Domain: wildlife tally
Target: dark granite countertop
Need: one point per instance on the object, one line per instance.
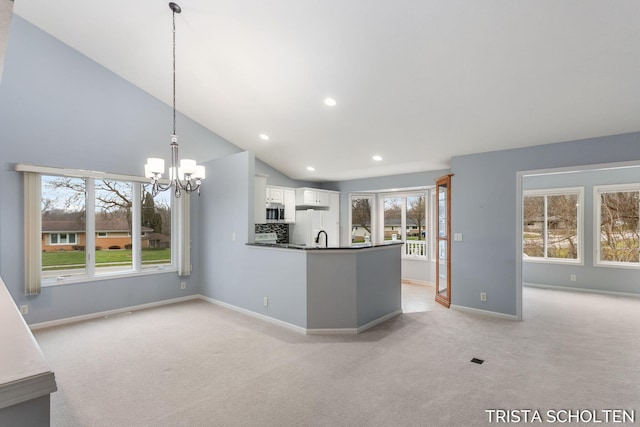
(309, 248)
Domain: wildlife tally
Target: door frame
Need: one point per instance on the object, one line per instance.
(444, 300)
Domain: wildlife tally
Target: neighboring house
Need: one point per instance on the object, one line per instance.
(65, 235)
(553, 223)
(394, 226)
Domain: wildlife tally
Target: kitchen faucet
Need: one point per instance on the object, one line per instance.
(326, 238)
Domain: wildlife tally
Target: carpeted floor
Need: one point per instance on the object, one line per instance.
(197, 364)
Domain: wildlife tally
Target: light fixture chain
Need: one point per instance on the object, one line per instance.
(174, 72)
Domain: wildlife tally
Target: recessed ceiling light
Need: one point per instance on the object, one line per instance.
(311, 168)
(377, 158)
(264, 137)
(330, 102)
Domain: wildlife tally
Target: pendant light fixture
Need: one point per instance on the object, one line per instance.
(184, 175)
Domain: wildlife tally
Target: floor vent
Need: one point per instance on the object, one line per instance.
(478, 361)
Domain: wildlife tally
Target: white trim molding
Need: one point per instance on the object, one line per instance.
(66, 320)
(583, 290)
(484, 312)
(254, 314)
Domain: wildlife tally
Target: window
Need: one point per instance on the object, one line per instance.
(113, 207)
(62, 238)
(393, 217)
(97, 227)
(155, 228)
(552, 225)
(617, 221)
(63, 207)
(360, 219)
(405, 218)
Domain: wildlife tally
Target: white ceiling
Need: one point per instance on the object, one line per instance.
(416, 81)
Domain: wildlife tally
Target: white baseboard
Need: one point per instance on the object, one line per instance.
(379, 320)
(108, 313)
(323, 331)
(254, 314)
(299, 329)
(583, 290)
(332, 331)
(484, 312)
(418, 282)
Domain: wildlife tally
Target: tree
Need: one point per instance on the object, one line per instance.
(113, 198)
(619, 226)
(361, 213)
(416, 213)
(151, 218)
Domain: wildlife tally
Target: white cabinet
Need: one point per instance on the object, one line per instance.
(289, 205)
(332, 219)
(260, 203)
(275, 195)
(285, 196)
(312, 197)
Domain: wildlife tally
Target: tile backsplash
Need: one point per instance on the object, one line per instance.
(282, 230)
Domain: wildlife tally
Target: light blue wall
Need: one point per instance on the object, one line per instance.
(484, 200)
(59, 108)
(587, 276)
(231, 271)
(275, 177)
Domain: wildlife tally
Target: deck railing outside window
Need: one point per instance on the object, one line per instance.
(415, 248)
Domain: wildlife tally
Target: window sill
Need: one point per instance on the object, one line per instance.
(627, 266)
(553, 261)
(51, 282)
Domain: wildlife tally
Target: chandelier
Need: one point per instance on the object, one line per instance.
(188, 175)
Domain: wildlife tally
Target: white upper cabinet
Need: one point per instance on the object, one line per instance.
(289, 206)
(275, 195)
(312, 197)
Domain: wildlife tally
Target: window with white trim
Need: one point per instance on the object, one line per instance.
(360, 219)
(405, 218)
(97, 227)
(552, 225)
(617, 235)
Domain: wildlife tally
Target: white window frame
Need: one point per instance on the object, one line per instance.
(597, 213)
(372, 201)
(404, 195)
(90, 271)
(579, 191)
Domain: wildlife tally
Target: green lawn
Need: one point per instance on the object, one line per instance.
(76, 259)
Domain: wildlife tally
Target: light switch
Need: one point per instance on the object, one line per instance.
(457, 237)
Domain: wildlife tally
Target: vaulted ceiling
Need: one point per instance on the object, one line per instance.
(415, 82)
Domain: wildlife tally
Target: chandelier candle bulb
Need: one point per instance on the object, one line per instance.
(200, 172)
(156, 165)
(188, 166)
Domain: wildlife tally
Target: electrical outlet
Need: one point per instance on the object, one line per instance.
(483, 296)
(266, 301)
(183, 285)
(24, 309)
(233, 236)
(573, 277)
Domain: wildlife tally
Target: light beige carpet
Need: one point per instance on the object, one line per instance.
(196, 364)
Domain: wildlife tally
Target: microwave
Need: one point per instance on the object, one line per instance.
(275, 212)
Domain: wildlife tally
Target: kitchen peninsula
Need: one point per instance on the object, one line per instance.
(346, 290)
